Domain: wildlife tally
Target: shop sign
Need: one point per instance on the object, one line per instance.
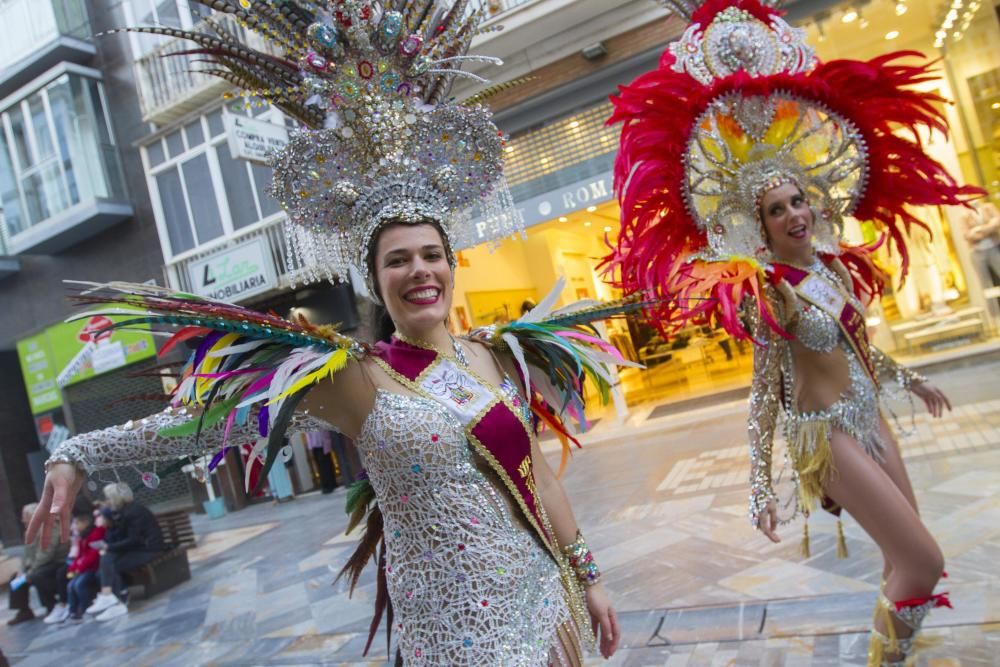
(71, 352)
(39, 373)
(84, 348)
(234, 274)
(565, 200)
(254, 139)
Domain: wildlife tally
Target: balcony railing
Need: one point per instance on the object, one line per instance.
(170, 86)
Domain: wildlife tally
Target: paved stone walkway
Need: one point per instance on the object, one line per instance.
(662, 500)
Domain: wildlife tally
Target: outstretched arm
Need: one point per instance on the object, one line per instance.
(889, 370)
(132, 443)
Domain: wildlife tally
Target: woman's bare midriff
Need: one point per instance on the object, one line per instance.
(821, 378)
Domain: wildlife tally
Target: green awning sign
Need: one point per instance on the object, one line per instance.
(72, 352)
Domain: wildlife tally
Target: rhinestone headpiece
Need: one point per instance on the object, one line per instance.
(744, 145)
(368, 80)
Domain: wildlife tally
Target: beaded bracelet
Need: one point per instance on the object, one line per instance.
(582, 561)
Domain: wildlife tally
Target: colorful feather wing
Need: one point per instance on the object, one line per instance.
(243, 361)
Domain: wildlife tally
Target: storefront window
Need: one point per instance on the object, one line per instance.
(57, 152)
(945, 300)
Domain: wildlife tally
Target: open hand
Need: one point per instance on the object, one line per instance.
(62, 484)
(604, 620)
(933, 398)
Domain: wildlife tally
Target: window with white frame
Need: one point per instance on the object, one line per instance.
(56, 150)
(180, 14)
(200, 192)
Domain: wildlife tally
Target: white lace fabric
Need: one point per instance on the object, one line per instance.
(139, 441)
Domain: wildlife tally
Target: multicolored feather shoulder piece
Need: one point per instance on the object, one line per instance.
(557, 350)
(244, 363)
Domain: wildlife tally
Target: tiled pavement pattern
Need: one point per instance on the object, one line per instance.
(662, 501)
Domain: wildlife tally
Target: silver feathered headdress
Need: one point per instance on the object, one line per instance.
(369, 81)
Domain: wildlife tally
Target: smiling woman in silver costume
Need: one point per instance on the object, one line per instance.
(740, 157)
(478, 552)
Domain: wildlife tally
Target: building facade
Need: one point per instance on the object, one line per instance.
(73, 205)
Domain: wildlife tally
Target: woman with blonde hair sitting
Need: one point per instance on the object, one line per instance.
(133, 539)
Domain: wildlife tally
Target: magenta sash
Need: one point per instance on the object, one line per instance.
(497, 433)
(850, 319)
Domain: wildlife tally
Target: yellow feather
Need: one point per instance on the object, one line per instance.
(337, 361)
(209, 364)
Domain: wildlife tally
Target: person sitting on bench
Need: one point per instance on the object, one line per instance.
(133, 539)
(38, 569)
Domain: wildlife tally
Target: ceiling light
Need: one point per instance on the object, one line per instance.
(574, 124)
(849, 16)
(995, 105)
(591, 209)
(607, 229)
(900, 8)
(863, 23)
(563, 218)
(508, 149)
(941, 34)
(892, 34)
(586, 223)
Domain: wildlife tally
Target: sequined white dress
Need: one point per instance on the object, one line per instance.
(469, 585)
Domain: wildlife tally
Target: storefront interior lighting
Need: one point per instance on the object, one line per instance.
(591, 209)
(892, 34)
(849, 16)
(563, 218)
(956, 21)
(900, 8)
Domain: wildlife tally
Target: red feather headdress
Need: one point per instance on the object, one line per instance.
(738, 104)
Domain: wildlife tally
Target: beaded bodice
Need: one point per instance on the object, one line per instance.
(856, 411)
(469, 585)
(817, 329)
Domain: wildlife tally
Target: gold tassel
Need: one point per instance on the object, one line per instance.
(804, 547)
(841, 542)
(813, 460)
(881, 644)
(876, 650)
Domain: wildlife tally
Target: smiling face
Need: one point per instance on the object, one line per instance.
(788, 222)
(413, 277)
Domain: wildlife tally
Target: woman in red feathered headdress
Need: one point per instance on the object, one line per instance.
(740, 157)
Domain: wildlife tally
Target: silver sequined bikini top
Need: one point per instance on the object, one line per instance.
(815, 328)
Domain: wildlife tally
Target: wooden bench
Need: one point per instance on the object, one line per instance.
(171, 568)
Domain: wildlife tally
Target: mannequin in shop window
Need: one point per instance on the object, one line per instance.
(733, 203)
(982, 231)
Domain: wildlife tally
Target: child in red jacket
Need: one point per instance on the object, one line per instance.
(83, 583)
